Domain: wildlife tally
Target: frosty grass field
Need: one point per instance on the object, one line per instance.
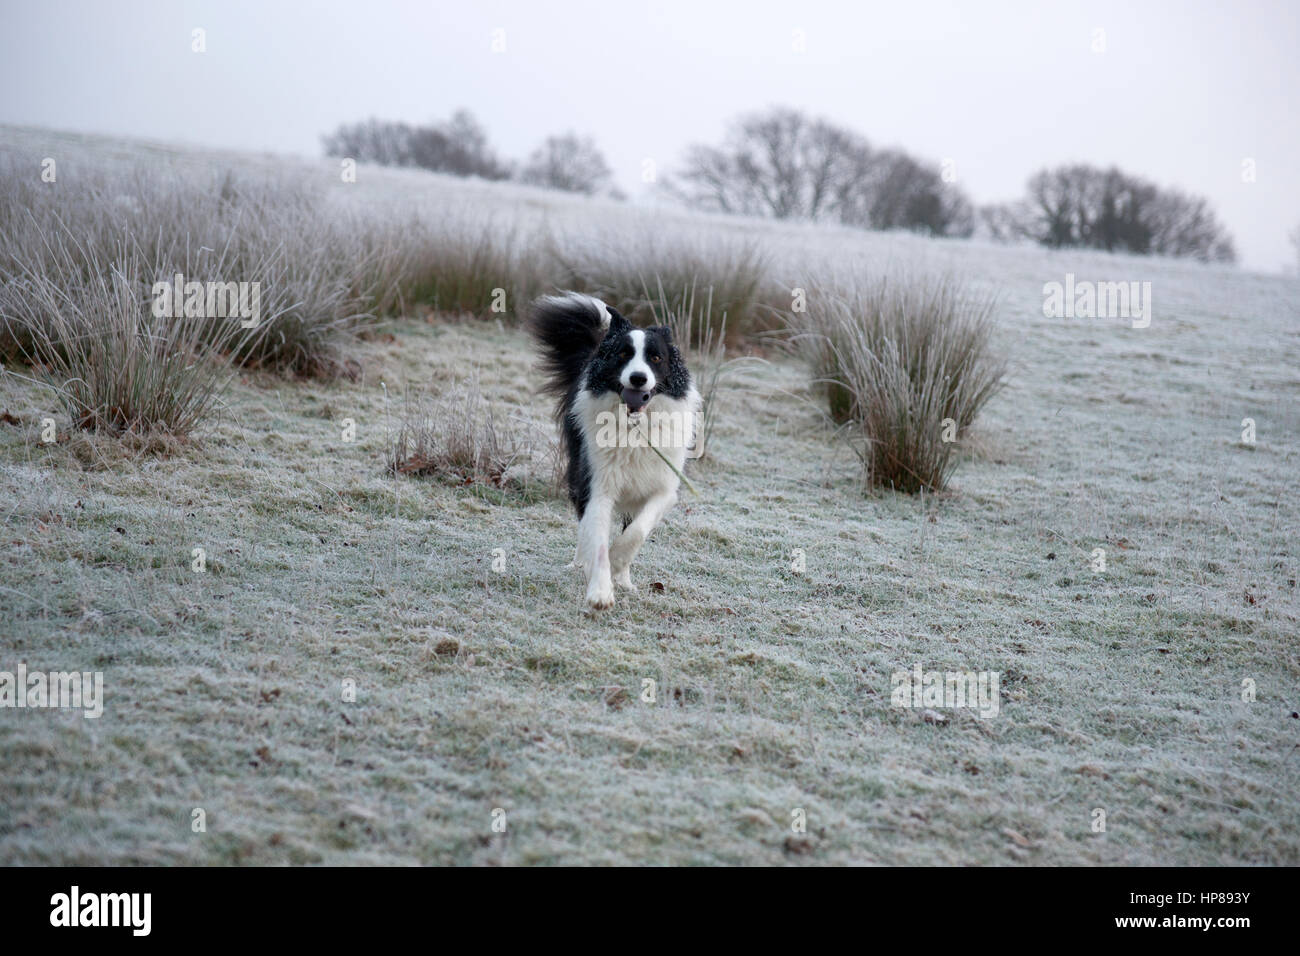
(481, 688)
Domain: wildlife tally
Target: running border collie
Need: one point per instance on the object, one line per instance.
(596, 361)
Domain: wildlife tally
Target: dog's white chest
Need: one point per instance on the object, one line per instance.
(624, 467)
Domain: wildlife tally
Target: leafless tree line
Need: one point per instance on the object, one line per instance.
(785, 164)
(460, 147)
(1108, 209)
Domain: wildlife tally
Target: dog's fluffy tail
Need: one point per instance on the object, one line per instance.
(569, 328)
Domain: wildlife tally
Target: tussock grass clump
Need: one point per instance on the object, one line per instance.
(460, 267)
(647, 275)
(84, 321)
(906, 363)
(459, 437)
(320, 275)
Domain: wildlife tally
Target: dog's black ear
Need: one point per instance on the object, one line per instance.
(618, 324)
(666, 331)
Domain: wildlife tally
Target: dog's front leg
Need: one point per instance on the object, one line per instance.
(627, 544)
(593, 548)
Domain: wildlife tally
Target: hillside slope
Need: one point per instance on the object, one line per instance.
(479, 689)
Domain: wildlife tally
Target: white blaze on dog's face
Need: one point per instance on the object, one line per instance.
(637, 375)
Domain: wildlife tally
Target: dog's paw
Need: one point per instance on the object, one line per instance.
(600, 597)
(624, 579)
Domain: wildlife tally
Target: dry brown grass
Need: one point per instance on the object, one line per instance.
(90, 334)
(459, 437)
(644, 275)
(320, 273)
(905, 362)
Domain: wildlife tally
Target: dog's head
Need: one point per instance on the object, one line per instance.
(638, 364)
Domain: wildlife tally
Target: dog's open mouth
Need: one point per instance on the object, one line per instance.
(636, 399)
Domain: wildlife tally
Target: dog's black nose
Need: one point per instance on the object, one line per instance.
(636, 379)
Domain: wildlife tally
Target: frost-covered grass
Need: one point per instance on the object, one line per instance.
(98, 238)
(481, 685)
(906, 362)
(329, 256)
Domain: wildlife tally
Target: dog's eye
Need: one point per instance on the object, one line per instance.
(655, 359)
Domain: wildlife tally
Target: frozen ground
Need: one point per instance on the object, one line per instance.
(479, 689)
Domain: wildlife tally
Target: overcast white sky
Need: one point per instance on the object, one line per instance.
(1184, 92)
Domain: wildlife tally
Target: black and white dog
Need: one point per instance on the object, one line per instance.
(620, 390)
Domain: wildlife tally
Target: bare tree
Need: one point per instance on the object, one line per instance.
(786, 165)
(895, 191)
(373, 141)
(780, 164)
(1107, 209)
(458, 146)
(1054, 203)
(467, 149)
(569, 163)
(1184, 225)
